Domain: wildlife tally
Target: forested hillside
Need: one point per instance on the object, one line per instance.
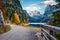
(13, 12)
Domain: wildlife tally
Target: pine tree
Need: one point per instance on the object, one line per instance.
(56, 16)
(13, 6)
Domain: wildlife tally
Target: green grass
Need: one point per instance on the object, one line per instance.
(57, 36)
(5, 29)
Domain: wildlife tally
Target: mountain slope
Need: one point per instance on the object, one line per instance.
(48, 13)
(49, 9)
(12, 7)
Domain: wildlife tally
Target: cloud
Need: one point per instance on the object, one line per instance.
(32, 9)
(47, 2)
(50, 0)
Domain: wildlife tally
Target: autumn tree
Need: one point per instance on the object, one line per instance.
(11, 7)
(17, 19)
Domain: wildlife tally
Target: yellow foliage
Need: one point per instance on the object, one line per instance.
(25, 21)
(34, 28)
(17, 19)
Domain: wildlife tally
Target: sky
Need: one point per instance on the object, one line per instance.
(40, 5)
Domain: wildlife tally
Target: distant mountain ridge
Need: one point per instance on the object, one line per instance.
(49, 9)
(36, 18)
(48, 13)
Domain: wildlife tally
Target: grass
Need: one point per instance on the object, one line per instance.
(32, 27)
(57, 36)
(5, 29)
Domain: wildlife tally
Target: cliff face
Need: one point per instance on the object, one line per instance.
(49, 9)
(1, 16)
(1, 19)
(12, 7)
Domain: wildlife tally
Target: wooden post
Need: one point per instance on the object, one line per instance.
(51, 32)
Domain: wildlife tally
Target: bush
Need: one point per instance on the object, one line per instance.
(5, 29)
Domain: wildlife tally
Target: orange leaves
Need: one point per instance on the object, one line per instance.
(17, 19)
(25, 21)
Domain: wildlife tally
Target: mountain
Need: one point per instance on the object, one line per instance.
(26, 13)
(48, 12)
(13, 7)
(36, 18)
(56, 16)
(49, 9)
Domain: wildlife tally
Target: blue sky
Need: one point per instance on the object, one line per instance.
(32, 5)
(29, 2)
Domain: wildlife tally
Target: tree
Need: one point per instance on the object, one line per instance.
(17, 19)
(56, 16)
(13, 6)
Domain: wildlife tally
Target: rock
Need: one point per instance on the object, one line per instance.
(1, 20)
